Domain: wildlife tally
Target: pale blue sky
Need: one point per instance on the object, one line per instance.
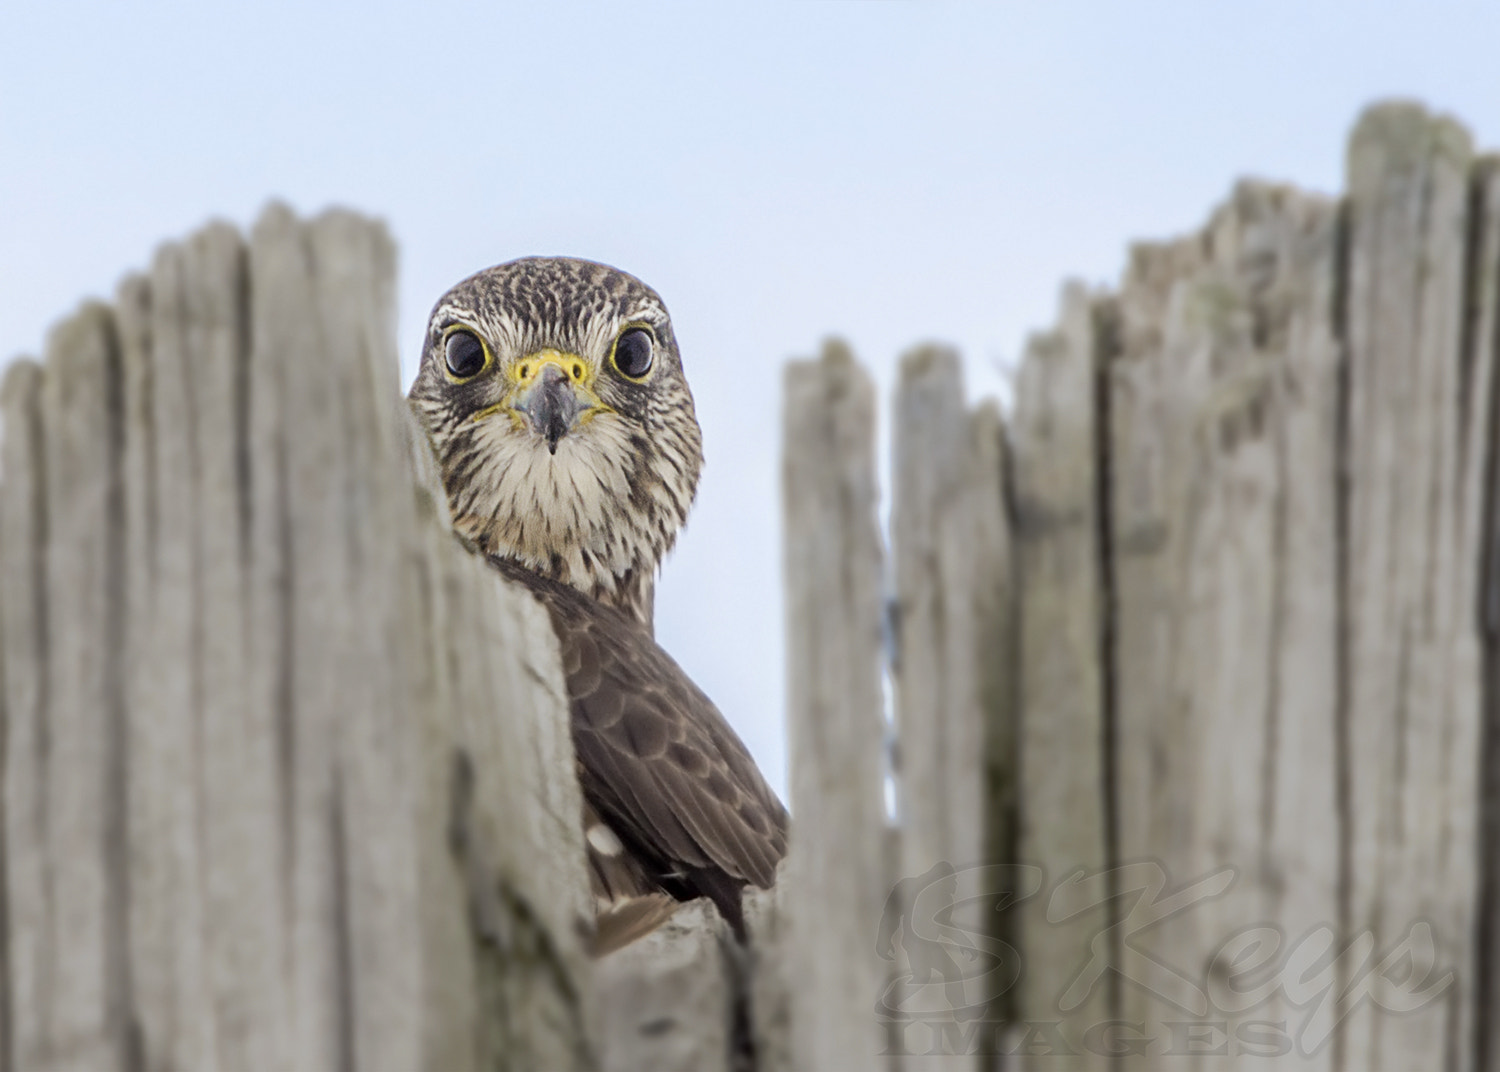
(890, 172)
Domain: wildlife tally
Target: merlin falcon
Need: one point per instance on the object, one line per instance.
(555, 397)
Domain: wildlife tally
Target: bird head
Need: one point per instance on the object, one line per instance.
(556, 401)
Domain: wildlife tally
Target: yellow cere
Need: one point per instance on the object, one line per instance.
(523, 372)
(528, 368)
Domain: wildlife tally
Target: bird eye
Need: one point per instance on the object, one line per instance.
(633, 353)
(464, 354)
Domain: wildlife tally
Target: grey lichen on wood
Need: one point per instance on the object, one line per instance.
(289, 779)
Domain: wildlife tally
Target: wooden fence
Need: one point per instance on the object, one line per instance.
(1193, 662)
(282, 761)
(1190, 653)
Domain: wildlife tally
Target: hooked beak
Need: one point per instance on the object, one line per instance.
(551, 393)
(550, 405)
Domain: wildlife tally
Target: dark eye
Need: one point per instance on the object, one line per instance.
(464, 354)
(633, 353)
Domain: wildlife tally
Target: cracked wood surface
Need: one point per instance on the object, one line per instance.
(1297, 434)
(279, 777)
(837, 866)
(1212, 609)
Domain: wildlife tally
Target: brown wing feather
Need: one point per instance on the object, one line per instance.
(659, 762)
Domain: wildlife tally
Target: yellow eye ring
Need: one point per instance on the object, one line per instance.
(465, 353)
(638, 356)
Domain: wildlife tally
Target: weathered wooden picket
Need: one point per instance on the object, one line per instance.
(287, 775)
(1195, 657)
(1192, 656)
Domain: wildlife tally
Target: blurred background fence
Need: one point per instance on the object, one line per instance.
(1187, 656)
(1190, 652)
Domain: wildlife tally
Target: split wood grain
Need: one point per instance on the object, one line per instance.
(1416, 453)
(1061, 736)
(288, 782)
(837, 871)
